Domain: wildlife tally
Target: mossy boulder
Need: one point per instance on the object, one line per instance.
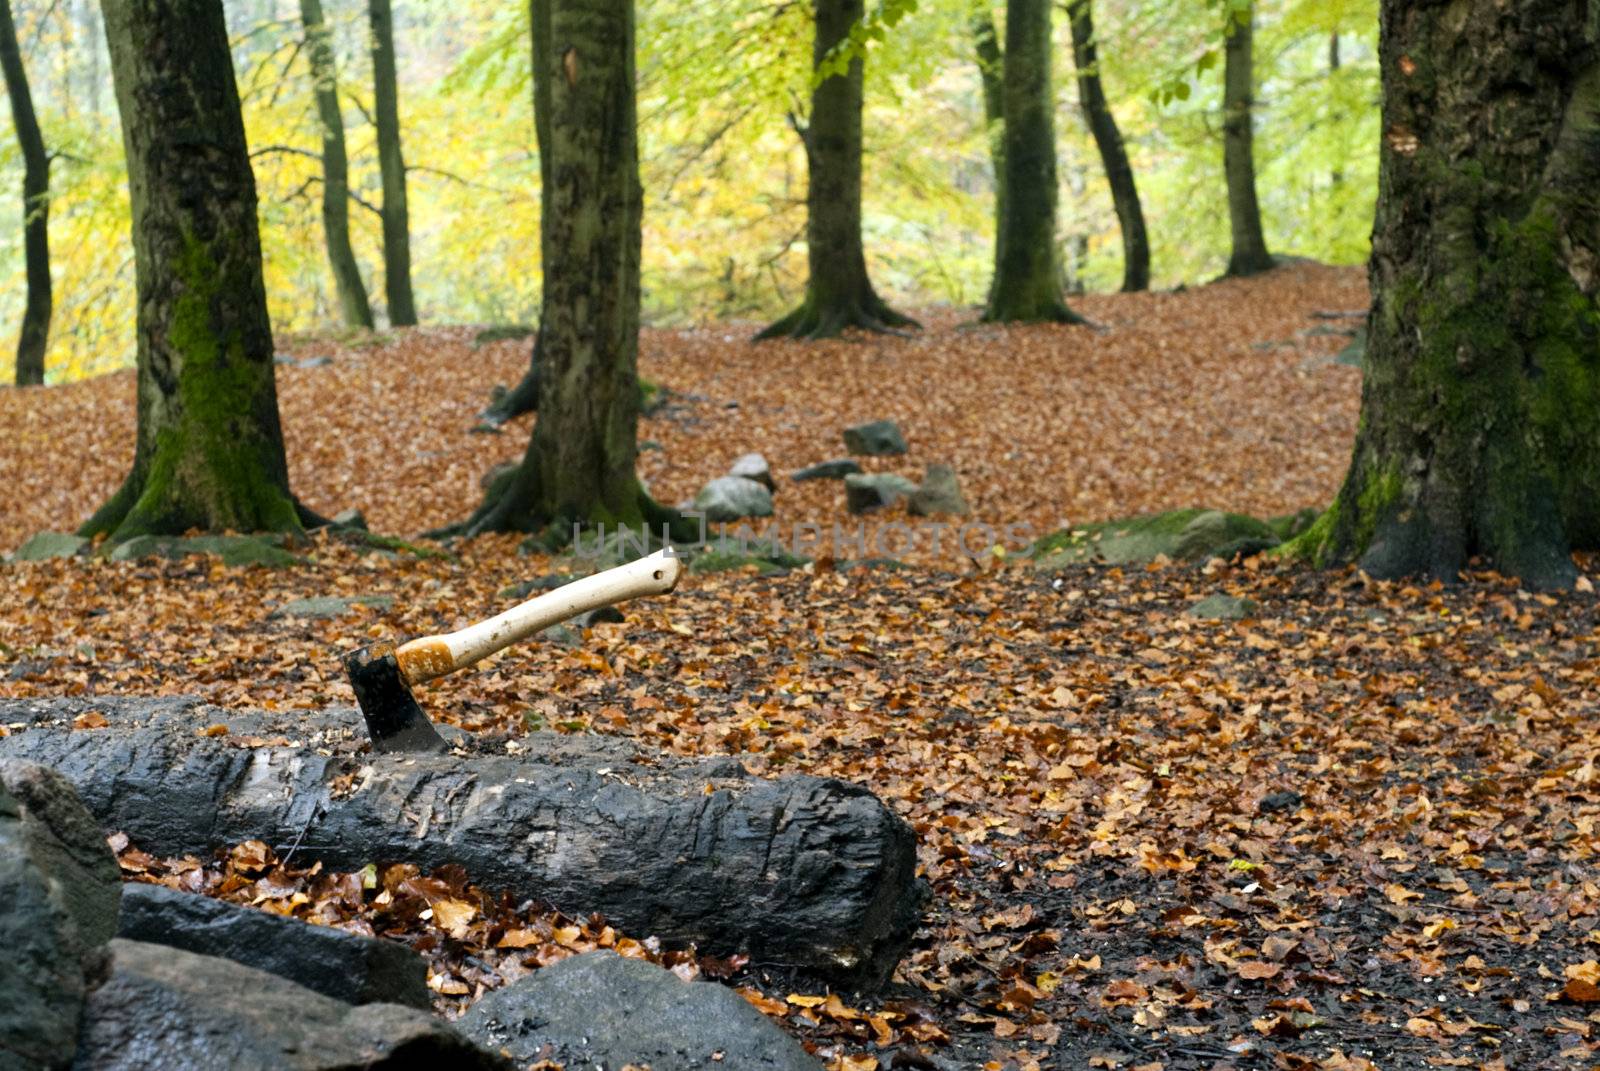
(232, 549)
(46, 545)
(1181, 535)
(727, 554)
(1292, 524)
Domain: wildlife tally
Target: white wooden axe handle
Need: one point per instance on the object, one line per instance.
(428, 657)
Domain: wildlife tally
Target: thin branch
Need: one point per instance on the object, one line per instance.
(453, 177)
(267, 150)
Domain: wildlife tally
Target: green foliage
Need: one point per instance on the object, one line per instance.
(872, 29)
(723, 172)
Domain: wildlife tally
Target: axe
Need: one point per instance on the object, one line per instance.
(382, 674)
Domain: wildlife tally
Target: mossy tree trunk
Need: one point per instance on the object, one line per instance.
(1249, 256)
(1113, 152)
(1482, 391)
(35, 332)
(579, 465)
(353, 305)
(839, 293)
(1027, 273)
(209, 450)
(991, 73)
(524, 397)
(392, 165)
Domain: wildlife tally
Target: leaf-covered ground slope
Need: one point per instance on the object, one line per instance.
(1220, 395)
(1355, 829)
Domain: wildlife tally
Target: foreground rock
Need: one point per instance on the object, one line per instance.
(336, 963)
(1181, 535)
(807, 871)
(864, 493)
(732, 498)
(938, 495)
(58, 907)
(601, 1010)
(176, 1010)
(826, 470)
(877, 439)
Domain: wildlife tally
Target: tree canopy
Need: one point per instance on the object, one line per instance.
(723, 174)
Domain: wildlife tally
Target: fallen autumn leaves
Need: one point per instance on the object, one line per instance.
(1360, 826)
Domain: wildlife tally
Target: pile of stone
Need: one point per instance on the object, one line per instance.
(746, 491)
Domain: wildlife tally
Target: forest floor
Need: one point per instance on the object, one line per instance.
(1356, 829)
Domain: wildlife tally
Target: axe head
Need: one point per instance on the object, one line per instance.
(394, 720)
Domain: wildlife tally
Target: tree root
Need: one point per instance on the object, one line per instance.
(523, 398)
(811, 323)
(1057, 313)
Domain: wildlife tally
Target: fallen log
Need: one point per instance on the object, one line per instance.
(800, 871)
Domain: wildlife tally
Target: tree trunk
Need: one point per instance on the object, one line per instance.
(1482, 386)
(1335, 62)
(1027, 274)
(1250, 256)
(838, 292)
(579, 465)
(35, 332)
(209, 450)
(991, 71)
(806, 871)
(1113, 153)
(335, 170)
(524, 397)
(392, 164)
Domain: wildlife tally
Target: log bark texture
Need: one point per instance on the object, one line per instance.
(802, 871)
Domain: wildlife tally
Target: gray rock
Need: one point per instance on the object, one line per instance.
(323, 606)
(602, 1010)
(336, 963)
(45, 545)
(1223, 608)
(176, 1010)
(753, 467)
(939, 494)
(731, 498)
(827, 470)
(877, 439)
(562, 636)
(865, 493)
(59, 888)
(349, 519)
